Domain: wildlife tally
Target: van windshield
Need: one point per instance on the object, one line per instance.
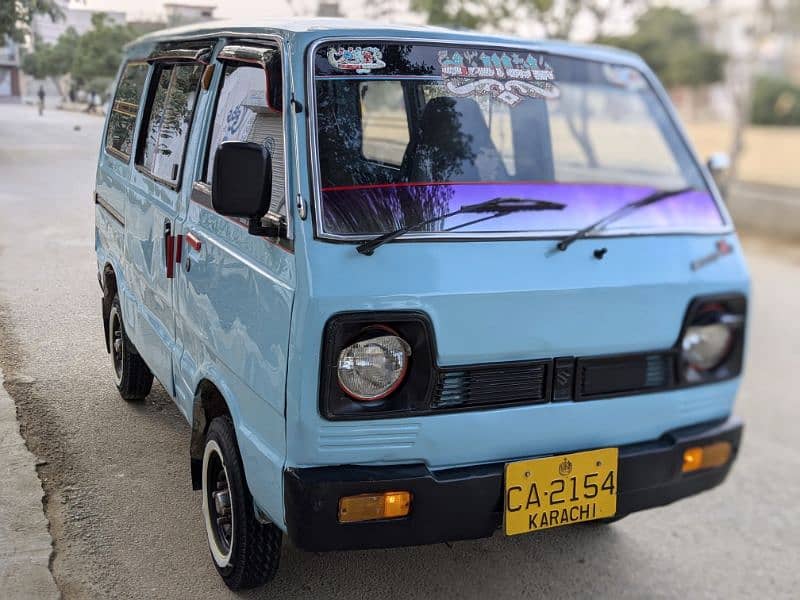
(407, 132)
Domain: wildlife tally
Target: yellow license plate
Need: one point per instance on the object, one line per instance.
(560, 490)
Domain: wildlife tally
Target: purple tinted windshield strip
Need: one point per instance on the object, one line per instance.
(376, 209)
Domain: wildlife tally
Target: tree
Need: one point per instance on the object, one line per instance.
(91, 59)
(740, 83)
(557, 18)
(457, 13)
(98, 52)
(17, 15)
(669, 40)
(775, 101)
(50, 61)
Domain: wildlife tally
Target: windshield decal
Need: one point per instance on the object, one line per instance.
(508, 77)
(358, 59)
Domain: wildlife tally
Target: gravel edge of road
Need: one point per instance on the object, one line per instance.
(25, 543)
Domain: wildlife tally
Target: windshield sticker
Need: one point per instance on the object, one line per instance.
(625, 77)
(508, 77)
(358, 59)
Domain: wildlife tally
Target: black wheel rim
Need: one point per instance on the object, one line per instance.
(116, 344)
(219, 504)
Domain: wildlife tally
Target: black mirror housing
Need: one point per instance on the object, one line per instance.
(242, 180)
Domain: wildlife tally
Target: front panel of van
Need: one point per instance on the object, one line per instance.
(506, 301)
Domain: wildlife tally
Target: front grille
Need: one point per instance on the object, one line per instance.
(616, 375)
(493, 386)
(537, 382)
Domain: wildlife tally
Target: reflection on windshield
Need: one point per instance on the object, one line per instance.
(404, 141)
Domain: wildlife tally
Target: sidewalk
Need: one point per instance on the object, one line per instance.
(25, 544)
(79, 107)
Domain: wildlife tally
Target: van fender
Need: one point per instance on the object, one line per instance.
(212, 399)
(112, 282)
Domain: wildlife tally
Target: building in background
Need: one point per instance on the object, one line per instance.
(46, 31)
(75, 15)
(329, 9)
(10, 77)
(185, 14)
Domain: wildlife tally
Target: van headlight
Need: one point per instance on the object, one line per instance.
(705, 346)
(374, 367)
(712, 343)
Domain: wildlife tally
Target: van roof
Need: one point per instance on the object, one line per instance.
(310, 29)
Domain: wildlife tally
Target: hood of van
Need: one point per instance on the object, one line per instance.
(519, 300)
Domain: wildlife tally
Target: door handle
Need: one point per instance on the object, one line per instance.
(169, 249)
(194, 241)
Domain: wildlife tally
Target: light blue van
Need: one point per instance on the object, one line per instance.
(410, 285)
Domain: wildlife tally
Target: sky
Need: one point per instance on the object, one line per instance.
(152, 9)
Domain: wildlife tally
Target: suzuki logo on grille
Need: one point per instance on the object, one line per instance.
(563, 376)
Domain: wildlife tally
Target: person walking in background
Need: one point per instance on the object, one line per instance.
(41, 95)
(92, 102)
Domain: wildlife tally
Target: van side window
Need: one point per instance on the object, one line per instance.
(121, 122)
(242, 116)
(167, 123)
(384, 122)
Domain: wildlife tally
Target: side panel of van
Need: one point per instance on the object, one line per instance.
(114, 168)
(150, 210)
(153, 204)
(234, 291)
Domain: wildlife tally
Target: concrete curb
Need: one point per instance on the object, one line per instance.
(25, 544)
(766, 209)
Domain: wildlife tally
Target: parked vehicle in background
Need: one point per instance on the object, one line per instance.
(410, 285)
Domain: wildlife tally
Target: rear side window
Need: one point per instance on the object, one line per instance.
(166, 126)
(121, 123)
(384, 122)
(242, 115)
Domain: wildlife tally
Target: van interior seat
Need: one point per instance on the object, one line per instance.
(453, 143)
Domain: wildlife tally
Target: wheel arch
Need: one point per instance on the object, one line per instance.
(209, 403)
(110, 287)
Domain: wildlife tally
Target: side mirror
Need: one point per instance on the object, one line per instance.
(242, 185)
(718, 163)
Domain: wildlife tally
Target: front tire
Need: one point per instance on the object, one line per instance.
(246, 552)
(133, 377)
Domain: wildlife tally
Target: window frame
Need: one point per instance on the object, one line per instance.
(248, 57)
(110, 150)
(158, 66)
(660, 94)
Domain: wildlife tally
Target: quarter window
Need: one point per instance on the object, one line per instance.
(170, 116)
(242, 115)
(121, 122)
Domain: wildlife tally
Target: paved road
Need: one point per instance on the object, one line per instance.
(126, 523)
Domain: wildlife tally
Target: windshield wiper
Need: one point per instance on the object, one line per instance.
(498, 206)
(656, 196)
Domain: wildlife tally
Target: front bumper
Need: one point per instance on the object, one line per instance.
(467, 503)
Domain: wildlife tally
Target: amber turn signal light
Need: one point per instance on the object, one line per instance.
(706, 457)
(369, 507)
